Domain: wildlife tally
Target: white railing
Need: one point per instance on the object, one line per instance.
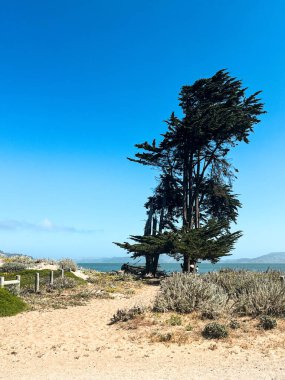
(17, 282)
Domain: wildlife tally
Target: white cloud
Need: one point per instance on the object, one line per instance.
(45, 225)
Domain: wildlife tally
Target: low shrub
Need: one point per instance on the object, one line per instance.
(234, 324)
(164, 337)
(262, 297)
(267, 323)
(123, 315)
(185, 293)
(189, 327)
(67, 264)
(210, 314)
(10, 304)
(215, 331)
(175, 320)
(13, 266)
(63, 283)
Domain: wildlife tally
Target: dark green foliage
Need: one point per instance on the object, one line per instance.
(195, 182)
(267, 323)
(215, 330)
(10, 304)
(209, 242)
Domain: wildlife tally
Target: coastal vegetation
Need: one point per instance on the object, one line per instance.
(10, 304)
(213, 305)
(189, 216)
(69, 290)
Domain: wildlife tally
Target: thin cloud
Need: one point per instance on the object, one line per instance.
(45, 225)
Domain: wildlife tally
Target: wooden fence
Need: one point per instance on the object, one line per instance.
(11, 282)
(17, 282)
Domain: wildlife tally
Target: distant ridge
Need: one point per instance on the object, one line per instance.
(123, 259)
(269, 258)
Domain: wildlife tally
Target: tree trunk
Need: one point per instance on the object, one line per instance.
(155, 264)
(148, 263)
(186, 264)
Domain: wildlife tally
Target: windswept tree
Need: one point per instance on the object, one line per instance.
(194, 154)
(150, 246)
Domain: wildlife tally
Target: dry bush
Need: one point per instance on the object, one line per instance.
(123, 315)
(179, 337)
(261, 297)
(231, 281)
(185, 293)
(267, 323)
(63, 283)
(13, 267)
(67, 264)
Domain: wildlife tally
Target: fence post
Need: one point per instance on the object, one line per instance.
(62, 273)
(51, 278)
(2, 282)
(282, 279)
(37, 283)
(18, 277)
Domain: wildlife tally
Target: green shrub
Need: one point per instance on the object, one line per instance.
(123, 315)
(215, 331)
(175, 320)
(13, 266)
(67, 264)
(189, 327)
(185, 293)
(267, 323)
(10, 304)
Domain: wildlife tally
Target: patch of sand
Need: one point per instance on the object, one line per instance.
(78, 343)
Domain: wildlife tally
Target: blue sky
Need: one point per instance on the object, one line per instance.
(82, 81)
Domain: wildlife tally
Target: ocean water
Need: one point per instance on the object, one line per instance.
(203, 267)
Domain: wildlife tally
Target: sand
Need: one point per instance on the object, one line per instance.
(78, 343)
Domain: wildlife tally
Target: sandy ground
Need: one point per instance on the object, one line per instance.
(78, 343)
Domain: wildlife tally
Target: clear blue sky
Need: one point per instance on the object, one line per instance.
(83, 81)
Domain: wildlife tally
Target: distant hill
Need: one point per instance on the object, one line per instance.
(123, 259)
(270, 258)
(6, 254)
(273, 257)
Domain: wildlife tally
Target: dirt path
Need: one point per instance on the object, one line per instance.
(77, 343)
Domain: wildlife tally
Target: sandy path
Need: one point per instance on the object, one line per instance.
(77, 343)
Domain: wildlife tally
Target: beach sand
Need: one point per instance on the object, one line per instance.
(78, 343)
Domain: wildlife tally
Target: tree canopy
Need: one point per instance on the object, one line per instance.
(194, 196)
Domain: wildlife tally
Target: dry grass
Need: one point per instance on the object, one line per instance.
(99, 285)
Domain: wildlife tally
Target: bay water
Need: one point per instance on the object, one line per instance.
(203, 267)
